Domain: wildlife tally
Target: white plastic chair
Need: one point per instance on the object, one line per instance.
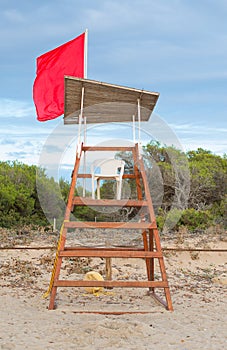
(107, 169)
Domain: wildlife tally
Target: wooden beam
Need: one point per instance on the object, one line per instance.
(104, 247)
(82, 201)
(104, 253)
(88, 176)
(107, 148)
(111, 225)
(135, 284)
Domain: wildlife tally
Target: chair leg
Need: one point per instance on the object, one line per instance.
(98, 188)
(118, 190)
(93, 188)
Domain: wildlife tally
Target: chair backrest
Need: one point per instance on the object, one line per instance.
(109, 166)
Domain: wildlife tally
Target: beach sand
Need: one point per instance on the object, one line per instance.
(198, 284)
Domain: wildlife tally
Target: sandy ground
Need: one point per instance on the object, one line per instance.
(198, 288)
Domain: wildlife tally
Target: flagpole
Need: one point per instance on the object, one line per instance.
(85, 53)
(85, 76)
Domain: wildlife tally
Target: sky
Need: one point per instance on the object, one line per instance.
(177, 48)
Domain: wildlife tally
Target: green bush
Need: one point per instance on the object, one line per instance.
(191, 218)
(196, 219)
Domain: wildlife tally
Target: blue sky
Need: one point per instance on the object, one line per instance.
(178, 48)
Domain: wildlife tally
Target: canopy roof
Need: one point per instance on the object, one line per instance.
(105, 103)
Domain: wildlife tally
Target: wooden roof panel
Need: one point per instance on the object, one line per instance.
(104, 103)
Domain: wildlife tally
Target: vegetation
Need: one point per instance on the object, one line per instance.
(18, 199)
(188, 189)
(195, 186)
(20, 203)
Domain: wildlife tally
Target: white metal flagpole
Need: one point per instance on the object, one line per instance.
(80, 123)
(139, 120)
(84, 118)
(134, 128)
(85, 136)
(85, 53)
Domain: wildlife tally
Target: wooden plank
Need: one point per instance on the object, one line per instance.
(108, 148)
(104, 247)
(105, 253)
(120, 284)
(108, 202)
(88, 176)
(111, 225)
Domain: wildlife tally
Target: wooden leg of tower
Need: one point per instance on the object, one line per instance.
(54, 288)
(151, 248)
(108, 269)
(62, 239)
(137, 174)
(52, 298)
(145, 244)
(163, 271)
(149, 262)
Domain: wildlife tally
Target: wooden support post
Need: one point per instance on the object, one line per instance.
(151, 249)
(61, 245)
(137, 174)
(108, 269)
(145, 244)
(108, 265)
(163, 271)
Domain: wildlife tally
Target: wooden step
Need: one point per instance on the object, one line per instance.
(120, 284)
(88, 176)
(98, 247)
(108, 148)
(82, 201)
(110, 225)
(109, 253)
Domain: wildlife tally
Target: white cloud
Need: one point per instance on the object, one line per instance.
(22, 149)
(193, 136)
(13, 108)
(198, 129)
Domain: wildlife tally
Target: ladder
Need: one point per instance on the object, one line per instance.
(150, 251)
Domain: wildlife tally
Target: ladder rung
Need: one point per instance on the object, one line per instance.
(108, 148)
(120, 284)
(88, 176)
(105, 253)
(109, 202)
(104, 247)
(111, 225)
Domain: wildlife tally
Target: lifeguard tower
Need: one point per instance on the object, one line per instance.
(89, 101)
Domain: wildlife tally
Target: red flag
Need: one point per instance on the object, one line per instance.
(48, 89)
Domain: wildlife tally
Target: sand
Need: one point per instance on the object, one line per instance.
(198, 284)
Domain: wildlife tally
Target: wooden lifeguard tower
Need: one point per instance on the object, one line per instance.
(89, 101)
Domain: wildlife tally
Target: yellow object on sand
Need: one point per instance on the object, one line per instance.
(93, 276)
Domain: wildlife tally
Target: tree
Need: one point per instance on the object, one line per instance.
(17, 192)
(168, 172)
(208, 178)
